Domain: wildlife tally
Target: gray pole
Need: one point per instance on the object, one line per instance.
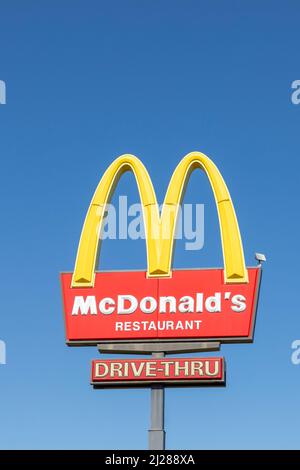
(157, 433)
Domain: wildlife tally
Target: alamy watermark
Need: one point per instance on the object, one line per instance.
(127, 221)
(295, 96)
(295, 356)
(2, 352)
(2, 92)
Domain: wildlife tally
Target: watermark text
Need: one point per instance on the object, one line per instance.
(2, 352)
(295, 96)
(186, 221)
(2, 92)
(295, 357)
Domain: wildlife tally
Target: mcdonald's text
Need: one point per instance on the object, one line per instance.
(189, 304)
(187, 371)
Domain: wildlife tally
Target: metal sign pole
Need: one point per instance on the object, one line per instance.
(157, 434)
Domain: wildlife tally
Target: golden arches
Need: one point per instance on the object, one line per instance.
(159, 230)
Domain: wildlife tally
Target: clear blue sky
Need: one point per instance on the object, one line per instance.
(90, 80)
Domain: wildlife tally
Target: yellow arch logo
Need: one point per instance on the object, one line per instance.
(160, 229)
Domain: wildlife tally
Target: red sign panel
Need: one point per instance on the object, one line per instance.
(192, 304)
(188, 371)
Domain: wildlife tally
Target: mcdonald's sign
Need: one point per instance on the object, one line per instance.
(160, 303)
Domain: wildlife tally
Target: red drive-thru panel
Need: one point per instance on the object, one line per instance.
(192, 304)
(137, 372)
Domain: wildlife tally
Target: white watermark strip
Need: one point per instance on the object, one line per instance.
(2, 92)
(295, 96)
(2, 352)
(295, 357)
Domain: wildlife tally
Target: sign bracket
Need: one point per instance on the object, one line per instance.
(152, 348)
